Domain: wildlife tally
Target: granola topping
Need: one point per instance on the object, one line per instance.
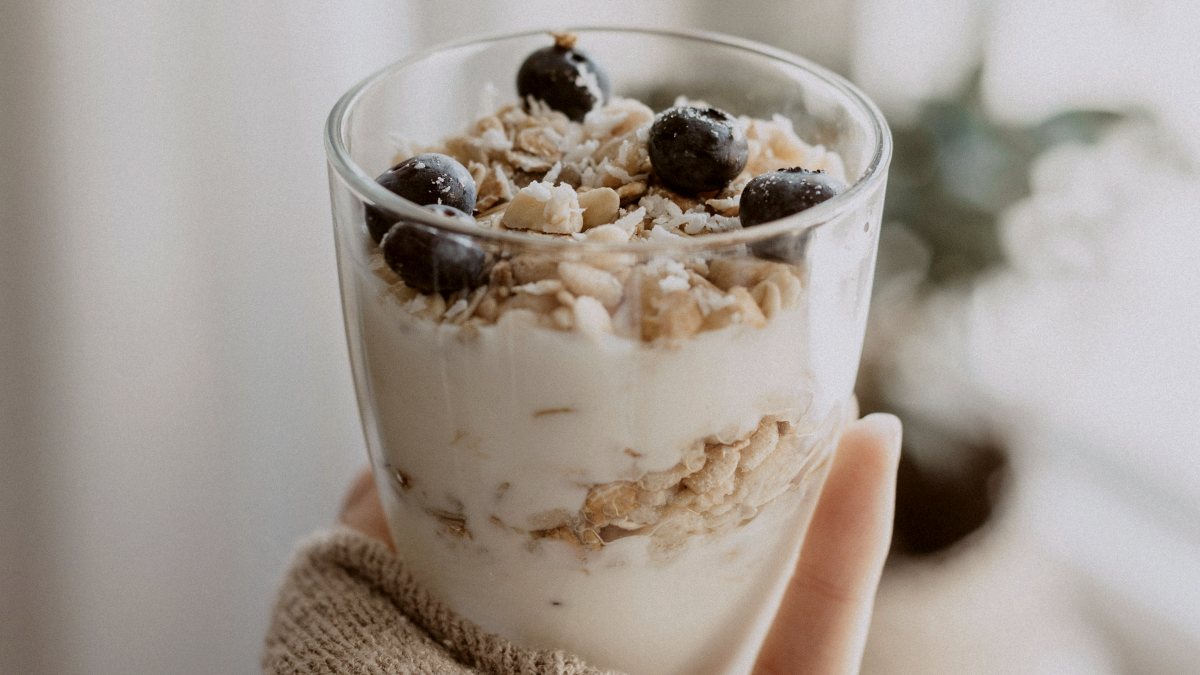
(539, 172)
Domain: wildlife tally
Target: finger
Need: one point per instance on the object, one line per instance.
(362, 510)
(822, 624)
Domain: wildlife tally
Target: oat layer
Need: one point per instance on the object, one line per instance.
(715, 487)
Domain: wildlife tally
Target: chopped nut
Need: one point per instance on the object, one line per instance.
(631, 191)
(537, 303)
(543, 287)
(529, 268)
(567, 173)
(729, 272)
(722, 317)
(458, 311)
(743, 309)
(545, 208)
(590, 316)
(789, 286)
(617, 264)
(609, 234)
(583, 279)
(768, 297)
(563, 318)
(489, 309)
(707, 295)
(517, 315)
(751, 313)
(675, 315)
(599, 206)
(698, 266)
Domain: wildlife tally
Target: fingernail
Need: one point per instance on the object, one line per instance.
(886, 427)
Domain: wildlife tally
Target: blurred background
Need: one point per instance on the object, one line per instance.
(176, 409)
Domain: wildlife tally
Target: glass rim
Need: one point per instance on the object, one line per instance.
(365, 187)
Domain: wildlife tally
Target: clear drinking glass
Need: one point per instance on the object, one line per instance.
(637, 498)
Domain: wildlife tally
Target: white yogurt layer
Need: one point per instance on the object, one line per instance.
(487, 432)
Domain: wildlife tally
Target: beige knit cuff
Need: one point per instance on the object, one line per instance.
(347, 605)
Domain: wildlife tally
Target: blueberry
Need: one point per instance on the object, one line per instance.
(429, 178)
(433, 261)
(696, 149)
(781, 193)
(778, 194)
(564, 78)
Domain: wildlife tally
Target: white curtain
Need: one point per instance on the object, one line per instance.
(179, 408)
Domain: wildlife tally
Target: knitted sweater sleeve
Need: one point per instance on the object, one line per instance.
(347, 605)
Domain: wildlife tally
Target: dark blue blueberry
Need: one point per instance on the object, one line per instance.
(697, 149)
(428, 178)
(779, 194)
(564, 78)
(434, 261)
